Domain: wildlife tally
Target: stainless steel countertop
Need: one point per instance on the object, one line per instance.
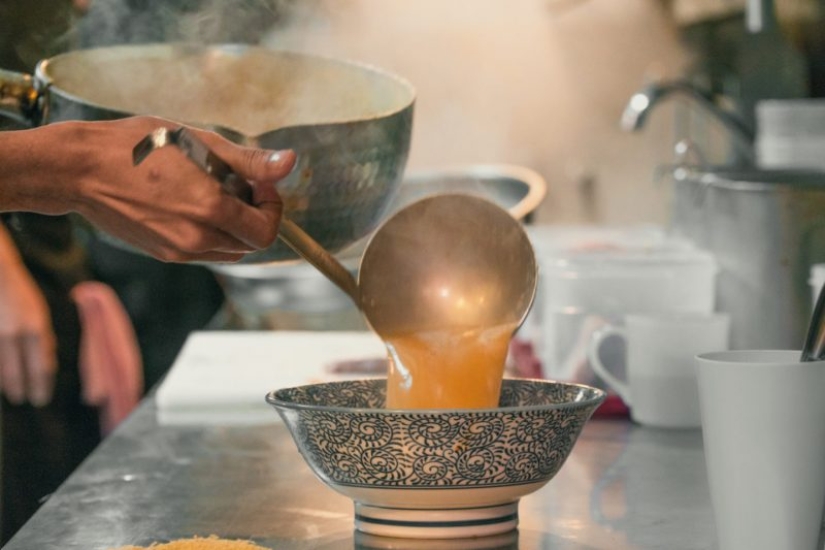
(623, 487)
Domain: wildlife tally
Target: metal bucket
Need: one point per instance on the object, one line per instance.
(766, 229)
(350, 124)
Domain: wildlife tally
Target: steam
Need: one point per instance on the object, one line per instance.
(537, 83)
(113, 22)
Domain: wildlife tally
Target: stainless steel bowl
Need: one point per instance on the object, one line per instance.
(294, 295)
(349, 123)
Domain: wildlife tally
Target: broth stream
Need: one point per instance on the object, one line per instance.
(456, 368)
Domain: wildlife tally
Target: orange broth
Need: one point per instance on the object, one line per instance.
(456, 368)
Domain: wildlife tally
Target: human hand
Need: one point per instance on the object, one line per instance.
(171, 208)
(166, 206)
(28, 349)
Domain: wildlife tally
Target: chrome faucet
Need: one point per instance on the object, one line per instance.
(640, 104)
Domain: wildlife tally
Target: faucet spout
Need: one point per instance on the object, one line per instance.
(640, 104)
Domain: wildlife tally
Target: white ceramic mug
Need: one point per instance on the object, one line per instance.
(763, 425)
(659, 383)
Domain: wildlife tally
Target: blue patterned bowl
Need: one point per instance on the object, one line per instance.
(435, 473)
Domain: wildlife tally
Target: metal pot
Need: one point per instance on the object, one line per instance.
(766, 229)
(350, 124)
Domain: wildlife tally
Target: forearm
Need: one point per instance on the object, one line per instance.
(41, 169)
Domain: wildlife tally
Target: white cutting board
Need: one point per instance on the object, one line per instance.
(221, 377)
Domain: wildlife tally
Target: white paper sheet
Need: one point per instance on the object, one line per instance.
(221, 377)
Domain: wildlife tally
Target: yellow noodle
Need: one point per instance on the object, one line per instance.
(199, 543)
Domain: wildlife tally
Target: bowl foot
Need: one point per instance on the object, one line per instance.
(436, 524)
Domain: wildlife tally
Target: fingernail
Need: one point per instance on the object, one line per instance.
(278, 156)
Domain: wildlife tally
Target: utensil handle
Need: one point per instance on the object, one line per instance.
(18, 97)
(290, 233)
(306, 247)
(814, 348)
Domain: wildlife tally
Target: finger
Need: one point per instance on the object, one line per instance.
(252, 163)
(219, 257)
(11, 370)
(179, 256)
(174, 255)
(39, 367)
(257, 227)
(265, 191)
(264, 165)
(189, 240)
(207, 235)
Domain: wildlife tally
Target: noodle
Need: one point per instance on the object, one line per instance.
(199, 543)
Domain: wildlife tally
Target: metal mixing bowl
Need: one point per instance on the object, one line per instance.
(349, 123)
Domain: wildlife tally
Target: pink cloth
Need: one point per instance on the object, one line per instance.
(111, 370)
(522, 360)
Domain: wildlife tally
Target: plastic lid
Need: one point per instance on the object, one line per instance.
(610, 252)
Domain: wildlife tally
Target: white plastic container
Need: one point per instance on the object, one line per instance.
(593, 276)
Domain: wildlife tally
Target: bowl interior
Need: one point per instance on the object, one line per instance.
(248, 89)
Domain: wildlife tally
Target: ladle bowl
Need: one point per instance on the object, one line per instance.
(446, 261)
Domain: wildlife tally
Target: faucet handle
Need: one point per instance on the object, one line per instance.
(644, 100)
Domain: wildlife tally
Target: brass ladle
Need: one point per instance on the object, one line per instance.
(446, 261)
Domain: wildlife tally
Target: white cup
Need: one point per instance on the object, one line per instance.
(763, 424)
(659, 384)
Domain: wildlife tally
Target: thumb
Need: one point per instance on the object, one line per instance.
(261, 165)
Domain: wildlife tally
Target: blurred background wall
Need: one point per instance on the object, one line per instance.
(540, 83)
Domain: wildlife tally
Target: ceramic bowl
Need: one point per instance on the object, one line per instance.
(435, 473)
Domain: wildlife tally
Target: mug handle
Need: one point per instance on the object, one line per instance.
(595, 343)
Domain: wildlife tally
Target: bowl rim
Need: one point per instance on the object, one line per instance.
(598, 397)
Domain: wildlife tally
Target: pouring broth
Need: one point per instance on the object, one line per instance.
(452, 368)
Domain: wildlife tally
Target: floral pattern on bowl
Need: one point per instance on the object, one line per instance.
(452, 461)
(347, 438)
